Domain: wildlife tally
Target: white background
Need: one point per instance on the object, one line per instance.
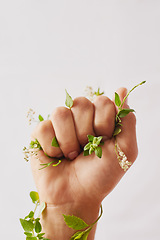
(47, 46)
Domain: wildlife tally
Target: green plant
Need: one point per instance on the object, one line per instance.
(78, 224)
(31, 224)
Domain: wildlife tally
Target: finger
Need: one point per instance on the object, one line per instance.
(44, 133)
(104, 119)
(83, 113)
(127, 137)
(122, 92)
(63, 123)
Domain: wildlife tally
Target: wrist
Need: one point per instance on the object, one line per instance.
(54, 225)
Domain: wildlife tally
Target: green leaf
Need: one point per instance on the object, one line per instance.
(81, 235)
(38, 227)
(86, 153)
(40, 235)
(28, 226)
(42, 207)
(35, 144)
(40, 118)
(85, 235)
(31, 238)
(75, 222)
(55, 142)
(98, 152)
(91, 150)
(97, 140)
(69, 101)
(77, 235)
(28, 234)
(117, 100)
(90, 138)
(87, 146)
(98, 93)
(116, 131)
(34, 196)
(30, 215)
(124, 112)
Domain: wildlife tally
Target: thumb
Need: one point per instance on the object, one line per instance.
(127, 138)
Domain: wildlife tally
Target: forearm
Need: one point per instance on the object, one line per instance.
(53, 221)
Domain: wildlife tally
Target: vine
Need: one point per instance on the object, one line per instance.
(31, 224)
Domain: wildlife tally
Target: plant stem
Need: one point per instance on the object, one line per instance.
(36, 207)
(130, 92)
(98, 217)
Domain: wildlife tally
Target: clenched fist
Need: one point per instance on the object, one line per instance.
(79, 183)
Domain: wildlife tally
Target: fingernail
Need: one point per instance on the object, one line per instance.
(72, 155)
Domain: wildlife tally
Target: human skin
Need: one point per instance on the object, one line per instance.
(79, 183)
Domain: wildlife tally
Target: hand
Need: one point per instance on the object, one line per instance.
(81, 182)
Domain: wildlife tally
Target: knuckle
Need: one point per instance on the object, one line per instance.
(60, 113)
(83, 103)
(102, 101)
(44, 126)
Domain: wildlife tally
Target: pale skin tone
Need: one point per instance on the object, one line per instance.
(78, 186)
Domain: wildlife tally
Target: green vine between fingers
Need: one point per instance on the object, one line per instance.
(30, 224)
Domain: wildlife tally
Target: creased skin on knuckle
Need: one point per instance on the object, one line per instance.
(43, 127)
(60, 113)
(102, 101)
(83, 104)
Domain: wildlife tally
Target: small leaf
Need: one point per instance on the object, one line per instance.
(86, 153)
(116, 131)
(55, 142)
(40, 235)
(69, 101)
(28, 234)
(77, 235)
(31, 238)
(35, 144)
(97, 140)
(87, 146)
(27, 225)
(124, 112)
(91, 150)
(38, 227)
(81, 235)
(75, 222)
(98, 93)
(90, 138)
(40, 118)
(117, 100)
(42, 207)
(85, 236)
(98, 152)
(34, 196)
(30, 215)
